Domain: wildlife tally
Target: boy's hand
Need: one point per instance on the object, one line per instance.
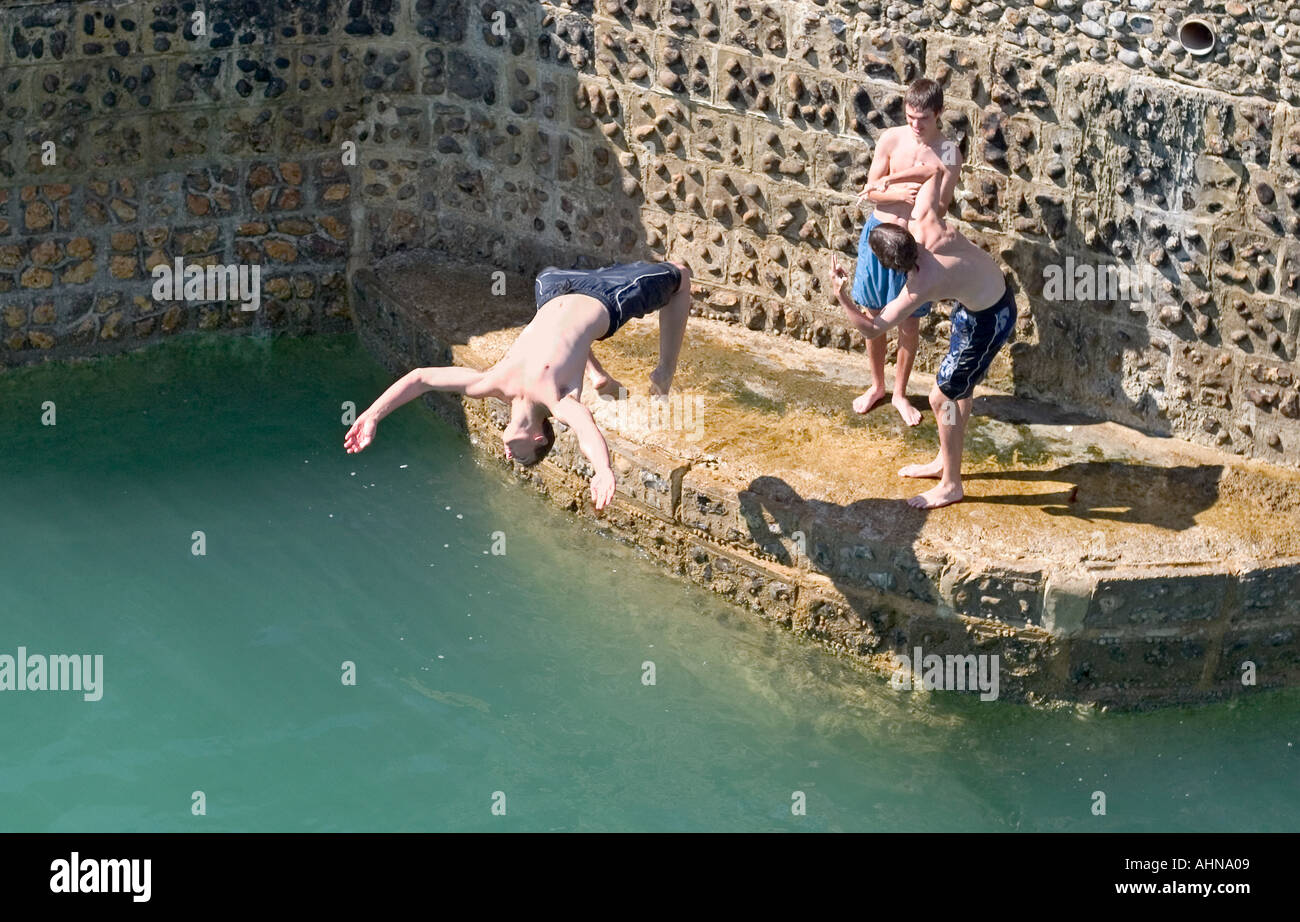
(838, 277)
(869, 188)
(886, 191)
(838, 272)
(903, 192)
(360, 435)
(602, 488)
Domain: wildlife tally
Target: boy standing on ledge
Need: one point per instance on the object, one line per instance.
(541, 375)
(939, 263)
(875, 285)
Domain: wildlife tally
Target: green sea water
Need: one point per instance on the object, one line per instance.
(511, 680)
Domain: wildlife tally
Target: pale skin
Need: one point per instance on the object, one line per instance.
(541, 376)
(899, 149)
(948, 267)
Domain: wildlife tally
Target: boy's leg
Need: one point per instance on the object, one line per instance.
(909, 335)
(672, 330)
(601, 380)
(872, 396)
(951, 415)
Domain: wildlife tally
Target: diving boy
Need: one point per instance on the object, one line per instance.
(875, 285)
(541, 375)
(939, 263)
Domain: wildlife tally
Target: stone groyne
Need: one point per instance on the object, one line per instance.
(1101, 566)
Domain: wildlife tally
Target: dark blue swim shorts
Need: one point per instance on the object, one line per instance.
(627, 290)
(976, 338)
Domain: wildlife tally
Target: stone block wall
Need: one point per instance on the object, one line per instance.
(734, 134)
(126, 141)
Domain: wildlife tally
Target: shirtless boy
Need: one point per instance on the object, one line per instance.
(940, 264)
(875, 285)
(541, 375)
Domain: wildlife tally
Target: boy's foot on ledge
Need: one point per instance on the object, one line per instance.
(942, 495)
(660, 382)
(606, 386)
(911, 415)
(931, 470)
(868, 400)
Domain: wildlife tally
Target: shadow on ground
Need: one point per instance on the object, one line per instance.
(1120, 491)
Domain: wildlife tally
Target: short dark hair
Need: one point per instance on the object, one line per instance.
(894, 246)
(925, 94)
(549, 431)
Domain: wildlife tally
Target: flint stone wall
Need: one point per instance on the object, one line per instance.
(733, 134)
(218, 149)
(736, 134)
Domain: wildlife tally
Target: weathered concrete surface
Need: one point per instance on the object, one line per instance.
(1102, 565)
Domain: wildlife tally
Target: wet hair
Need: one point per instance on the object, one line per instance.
(894, 246)
(925, 94)
(549, 431)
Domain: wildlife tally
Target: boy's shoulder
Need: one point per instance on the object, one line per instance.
(893, 134)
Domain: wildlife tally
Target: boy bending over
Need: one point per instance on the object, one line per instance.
(941, 264)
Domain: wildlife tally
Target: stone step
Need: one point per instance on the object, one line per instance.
(1100, 564)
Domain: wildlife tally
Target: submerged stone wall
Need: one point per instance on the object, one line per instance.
(736, 134)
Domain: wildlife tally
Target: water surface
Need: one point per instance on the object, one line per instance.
(477, 673)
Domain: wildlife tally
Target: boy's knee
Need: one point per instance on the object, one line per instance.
(937, 399)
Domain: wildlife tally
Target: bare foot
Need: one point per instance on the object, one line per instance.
(932, 470)
(869, 400)
(944, 494)
(660, 383)
(606, 386)
(911, 415)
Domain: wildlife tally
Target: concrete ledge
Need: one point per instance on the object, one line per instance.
(1178, 568)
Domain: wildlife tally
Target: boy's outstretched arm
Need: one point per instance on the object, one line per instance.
(893, 313)
(918, 173)
(840, 276)
(405, 389)
(897, 310)
(577, 417)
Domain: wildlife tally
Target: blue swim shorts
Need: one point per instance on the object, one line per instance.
(874, 286)
(976, 338)
(627, 290)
